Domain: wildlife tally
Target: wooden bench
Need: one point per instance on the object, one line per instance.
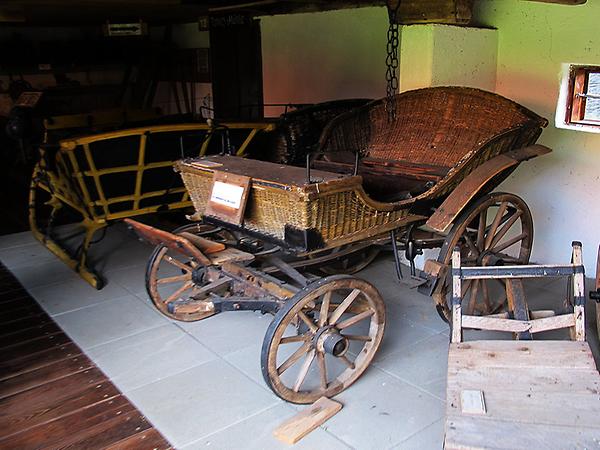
(521, 393)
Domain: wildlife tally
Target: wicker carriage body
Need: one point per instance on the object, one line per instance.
(283, 207)
(452, 130)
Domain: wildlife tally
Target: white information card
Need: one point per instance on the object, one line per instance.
(226, 194)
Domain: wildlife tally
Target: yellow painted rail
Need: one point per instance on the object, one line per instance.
(84, 174)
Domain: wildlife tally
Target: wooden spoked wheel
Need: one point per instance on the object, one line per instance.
(323, 339)
(350, 263)
(496, 230)
(173, 278)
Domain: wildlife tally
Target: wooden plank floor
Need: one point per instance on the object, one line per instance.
(51, 395)
(538, 394)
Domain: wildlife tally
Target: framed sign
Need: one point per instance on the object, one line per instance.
(228, 197)
(29, 98)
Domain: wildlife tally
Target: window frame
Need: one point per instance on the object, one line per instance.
(577, 91)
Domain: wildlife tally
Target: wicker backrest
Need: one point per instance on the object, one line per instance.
(298, 131)
(438, 126)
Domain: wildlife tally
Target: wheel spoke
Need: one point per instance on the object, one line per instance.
(309, 323)
(508, 243)
(505, 228)
(495, 223)
(304, 370)
(290, 339)
(355, 319)
(500, 282)
(481, 229)
(346, 361)
(486, 295)
(174, 279)
(511, 259)
(177, 263)
(175, 295)
(471, 244)
(325, 308)
(293, 358)
(469, 285)
(322, 370)
(473, 299)
(343, 306)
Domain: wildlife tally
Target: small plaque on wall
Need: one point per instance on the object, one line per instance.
(228, 197)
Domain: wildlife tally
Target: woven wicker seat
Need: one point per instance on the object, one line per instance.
(452, 129)
(439, 136)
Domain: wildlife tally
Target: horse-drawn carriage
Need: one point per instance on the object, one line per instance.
(265, 233)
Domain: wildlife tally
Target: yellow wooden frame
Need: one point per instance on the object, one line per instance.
(67, 184)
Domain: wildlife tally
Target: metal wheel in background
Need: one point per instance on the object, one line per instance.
(496, 230)
(323, 339)
(351, 263)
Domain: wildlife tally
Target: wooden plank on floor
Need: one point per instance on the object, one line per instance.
(70, 428)
(10, 293)
(55, 399)
(20, 313)
(148, 439)
(59, 369)
(19, 303)
(19, 325)
(479, 433)
(39, 317)
(531, 379)
(28, 363)
(514, 354)
(121, 427)
(53, 396)
(34, 346)
(28, 334)
(298, 426)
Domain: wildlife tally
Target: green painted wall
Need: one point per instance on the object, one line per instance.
(445, 55)
(562, 188)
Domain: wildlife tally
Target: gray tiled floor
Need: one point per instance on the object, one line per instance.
(200, 383)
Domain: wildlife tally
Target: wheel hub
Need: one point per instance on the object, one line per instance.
(486, 258)
(329, 340)
(198, 275)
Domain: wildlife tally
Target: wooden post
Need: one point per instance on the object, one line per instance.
(517, 304)
(456, 297)
(578, 292)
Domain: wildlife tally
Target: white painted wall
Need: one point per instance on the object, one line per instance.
(562, 188)
(316, 57)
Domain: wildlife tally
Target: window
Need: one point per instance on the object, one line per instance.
(583, 105)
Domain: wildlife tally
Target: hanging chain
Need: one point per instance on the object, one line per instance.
(391, 62)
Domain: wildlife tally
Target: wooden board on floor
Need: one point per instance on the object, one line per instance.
(32, 347)
(538, 394)
(28, 363)
(43, 375)
(51, 394)
(28, 334)
(298, 426)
